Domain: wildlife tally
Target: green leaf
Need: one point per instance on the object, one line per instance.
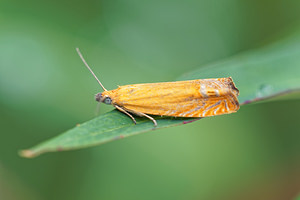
(297, 198)
(258, 74)
(105, 128)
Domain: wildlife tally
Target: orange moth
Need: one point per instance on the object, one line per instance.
(193, 98)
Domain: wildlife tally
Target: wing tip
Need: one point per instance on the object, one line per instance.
(232, 86)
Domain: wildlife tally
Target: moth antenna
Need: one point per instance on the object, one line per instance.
(87, 66)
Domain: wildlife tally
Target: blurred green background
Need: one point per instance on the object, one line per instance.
(45, 89)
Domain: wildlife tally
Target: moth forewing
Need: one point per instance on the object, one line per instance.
(194, 98)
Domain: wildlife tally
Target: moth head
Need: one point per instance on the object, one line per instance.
(103, 98)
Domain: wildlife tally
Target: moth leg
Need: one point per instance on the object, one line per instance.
(149, 117)
(124, 111)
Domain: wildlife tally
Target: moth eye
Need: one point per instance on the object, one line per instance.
(107, 100)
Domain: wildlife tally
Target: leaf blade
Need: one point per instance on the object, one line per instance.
(108, 127)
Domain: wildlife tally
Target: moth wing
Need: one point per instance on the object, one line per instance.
(197, 98)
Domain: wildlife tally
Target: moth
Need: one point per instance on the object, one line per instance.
(192, 98)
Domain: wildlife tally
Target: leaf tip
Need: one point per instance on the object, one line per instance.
(27, 154)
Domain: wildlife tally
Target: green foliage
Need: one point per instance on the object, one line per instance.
(279, 73)
(297, 198)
